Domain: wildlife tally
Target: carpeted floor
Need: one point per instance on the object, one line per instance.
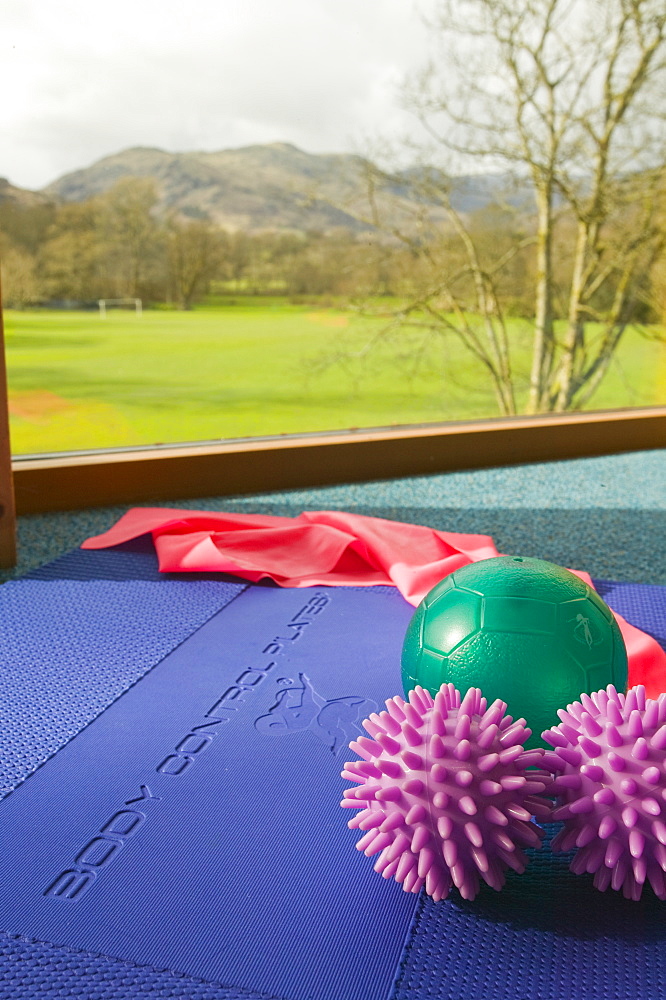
(605, 515)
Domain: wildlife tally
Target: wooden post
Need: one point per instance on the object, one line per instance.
(7, 507)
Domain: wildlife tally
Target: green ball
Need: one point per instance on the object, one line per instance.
(523, 630)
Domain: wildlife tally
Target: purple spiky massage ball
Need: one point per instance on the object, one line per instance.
(609, 758)
(444, 792)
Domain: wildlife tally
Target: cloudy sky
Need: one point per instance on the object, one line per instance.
(84, 79)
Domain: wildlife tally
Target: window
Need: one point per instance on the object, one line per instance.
(204, 245)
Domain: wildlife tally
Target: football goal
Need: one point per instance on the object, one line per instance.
(129, 303)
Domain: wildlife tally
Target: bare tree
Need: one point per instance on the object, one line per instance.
(70, 259)
(19, 278)
(195, 251)
(448, 273)
(129, 232)
(567, 98)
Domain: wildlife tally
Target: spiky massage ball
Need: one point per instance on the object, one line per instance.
(609, 758)
(444, 792)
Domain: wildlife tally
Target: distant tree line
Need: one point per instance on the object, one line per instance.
(117, 245)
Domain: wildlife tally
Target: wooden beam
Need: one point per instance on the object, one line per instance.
(7, 508)
(139, 476)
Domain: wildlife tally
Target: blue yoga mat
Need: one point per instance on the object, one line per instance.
(170, 825)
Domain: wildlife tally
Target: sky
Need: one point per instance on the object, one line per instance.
(82, 80)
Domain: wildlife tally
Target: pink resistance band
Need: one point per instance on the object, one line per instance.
(334, 549)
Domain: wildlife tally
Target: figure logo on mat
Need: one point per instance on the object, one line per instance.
(298, 708)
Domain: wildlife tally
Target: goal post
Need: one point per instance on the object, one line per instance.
(103, 303)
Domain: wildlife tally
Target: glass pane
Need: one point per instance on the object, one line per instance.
(241, 226)
(79, 382)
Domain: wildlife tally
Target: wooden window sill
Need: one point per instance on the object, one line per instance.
(137, 475)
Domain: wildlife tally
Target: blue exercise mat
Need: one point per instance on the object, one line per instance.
(174, 749)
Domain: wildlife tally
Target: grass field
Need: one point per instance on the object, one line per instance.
(236, 370)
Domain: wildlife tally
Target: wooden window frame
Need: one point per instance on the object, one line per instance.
(7, 506)
(127, 476)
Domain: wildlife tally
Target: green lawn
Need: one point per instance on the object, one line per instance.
(77, 381)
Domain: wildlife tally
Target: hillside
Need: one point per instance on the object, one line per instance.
(269, 187)
(255, 188)
(20, 197)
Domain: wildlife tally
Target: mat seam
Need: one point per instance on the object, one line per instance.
(408, 944)
(251, 995)
(121, 693)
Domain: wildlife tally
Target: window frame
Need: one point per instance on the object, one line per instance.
(139, 475)
(7, 504)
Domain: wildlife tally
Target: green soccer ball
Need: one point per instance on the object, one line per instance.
(523, 630)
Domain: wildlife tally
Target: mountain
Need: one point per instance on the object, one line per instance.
(274, 186)
(268, 187)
